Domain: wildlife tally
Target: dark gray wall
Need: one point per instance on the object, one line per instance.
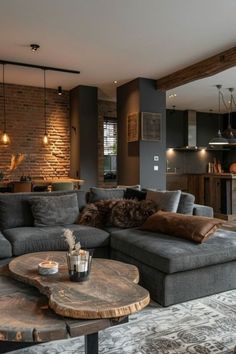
(84, 141)
(136, 159)
(153, 100)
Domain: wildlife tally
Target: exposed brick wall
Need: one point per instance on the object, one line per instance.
(105, 109)
(25, 126)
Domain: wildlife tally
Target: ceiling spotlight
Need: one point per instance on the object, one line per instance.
(34, 47)
(115, 82)
(59, 90)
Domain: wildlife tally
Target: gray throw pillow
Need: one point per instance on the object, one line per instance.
(97, 194)
(166, 200)
(56, 210)
(186, 203)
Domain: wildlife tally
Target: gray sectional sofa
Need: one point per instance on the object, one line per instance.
(172, 269)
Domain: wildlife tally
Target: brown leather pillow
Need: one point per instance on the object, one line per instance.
(194, 228)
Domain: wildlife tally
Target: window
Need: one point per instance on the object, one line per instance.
(110, 148)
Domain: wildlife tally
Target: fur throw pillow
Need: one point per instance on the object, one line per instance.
(97, 214)
(124, 213)
(128, 213)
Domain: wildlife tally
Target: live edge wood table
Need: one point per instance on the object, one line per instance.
(61, 308)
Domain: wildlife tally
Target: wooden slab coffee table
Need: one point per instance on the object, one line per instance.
(26, 319)
(107, 298)
(111, 290)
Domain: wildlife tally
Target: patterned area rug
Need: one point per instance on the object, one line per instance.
(202, 326)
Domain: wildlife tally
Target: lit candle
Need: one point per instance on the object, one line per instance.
(48, 267)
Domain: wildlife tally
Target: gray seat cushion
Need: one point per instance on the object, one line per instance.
(170, 254)
(5, 247)
(50, 238)
(15, 210)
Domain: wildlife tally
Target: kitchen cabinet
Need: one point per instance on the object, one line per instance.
(215, 190)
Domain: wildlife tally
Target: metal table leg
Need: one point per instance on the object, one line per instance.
(91, 343)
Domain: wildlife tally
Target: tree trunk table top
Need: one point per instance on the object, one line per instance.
(26, 317)
(111, 290)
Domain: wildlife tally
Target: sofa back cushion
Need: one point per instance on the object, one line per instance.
(166, 200)
(186, 203)
(56, 210)
(15, 209)
(97, 194)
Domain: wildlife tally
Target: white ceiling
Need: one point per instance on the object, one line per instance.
(120, 40)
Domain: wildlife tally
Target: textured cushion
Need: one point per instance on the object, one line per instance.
(57, 210)
(97, 194)
(132, 193)
(50, 238)
(97, 214)
(171, 254)
(166, 200)
(131, 213)
(194, 228)
(186, 203)
(15, 210)
(121, 213)
(5, 247)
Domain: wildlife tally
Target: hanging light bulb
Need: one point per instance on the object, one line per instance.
(5, 137)
(218, 140)
(230, 133)
(45, 138)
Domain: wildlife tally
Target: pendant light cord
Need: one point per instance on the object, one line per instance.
(4, 98)
(45, 102)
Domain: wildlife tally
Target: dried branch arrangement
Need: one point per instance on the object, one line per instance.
(74, 247)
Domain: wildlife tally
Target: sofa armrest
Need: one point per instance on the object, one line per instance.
(5, 247)
(203, 210)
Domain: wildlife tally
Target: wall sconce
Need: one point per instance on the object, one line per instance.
(45, 138)
(5, 138)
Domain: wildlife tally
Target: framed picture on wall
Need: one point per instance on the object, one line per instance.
(151, 126)
(133, 127)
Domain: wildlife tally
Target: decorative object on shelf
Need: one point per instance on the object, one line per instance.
(48, 267)
(232, 167)
(219, 140)
(5, 137)
(1, 175)
(78, 260)
(45, 138)
(151, 126)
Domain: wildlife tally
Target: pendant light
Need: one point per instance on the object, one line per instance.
(5, 138)
(230, 133)
(218, 140)
(45, 138)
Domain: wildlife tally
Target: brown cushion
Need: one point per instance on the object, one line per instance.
(128, 213)
(194, 228)
(117, 212)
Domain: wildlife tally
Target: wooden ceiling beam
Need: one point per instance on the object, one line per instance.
(200, 70)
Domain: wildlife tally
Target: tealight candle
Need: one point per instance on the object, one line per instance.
(48, 267)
